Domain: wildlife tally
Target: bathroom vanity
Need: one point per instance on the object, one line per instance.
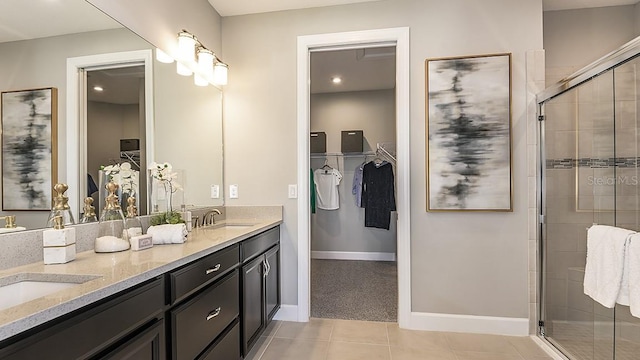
(209, 298)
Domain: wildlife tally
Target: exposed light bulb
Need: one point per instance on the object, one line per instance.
(98, 88)
(336, 80)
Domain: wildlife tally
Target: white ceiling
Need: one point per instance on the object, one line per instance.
(243, 7)
(360, 69)
(551, 5)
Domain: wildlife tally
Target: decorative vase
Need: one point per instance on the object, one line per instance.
(166, 194)
(127, 187)
(112, 232)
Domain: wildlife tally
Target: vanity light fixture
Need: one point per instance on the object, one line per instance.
(205, 62)
(163, 57)
(194, 56)
(186, 51)
(187, 46)
(220, 73)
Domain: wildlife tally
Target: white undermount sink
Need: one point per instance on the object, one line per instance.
(229, 226)
(21, 288)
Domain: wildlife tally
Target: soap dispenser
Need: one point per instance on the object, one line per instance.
(59, 243)
(112, 234)
(61, 206)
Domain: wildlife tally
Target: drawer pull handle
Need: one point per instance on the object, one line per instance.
(214, 313)
(213, 269)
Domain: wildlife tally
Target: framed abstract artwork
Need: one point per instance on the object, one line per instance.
(29, 148)
(468, 130)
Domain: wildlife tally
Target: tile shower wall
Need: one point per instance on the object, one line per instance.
(591, 178)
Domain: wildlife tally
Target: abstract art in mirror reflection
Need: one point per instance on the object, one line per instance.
(29, 148)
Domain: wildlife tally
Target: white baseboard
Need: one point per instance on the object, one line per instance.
(287, 313)
(469, 324)
(353, 255)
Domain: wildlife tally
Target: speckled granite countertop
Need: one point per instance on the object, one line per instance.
(116, 272)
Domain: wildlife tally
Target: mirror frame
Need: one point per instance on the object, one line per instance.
(76, 124)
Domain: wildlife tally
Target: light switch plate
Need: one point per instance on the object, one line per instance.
(215, 191)
(233, 191)
(293, 191)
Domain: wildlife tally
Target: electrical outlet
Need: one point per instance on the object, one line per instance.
(293, 191)
(233, 191)
(215, 191)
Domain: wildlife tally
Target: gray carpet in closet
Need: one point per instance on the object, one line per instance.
(354, 290)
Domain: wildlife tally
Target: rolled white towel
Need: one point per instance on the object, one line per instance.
(168, 233)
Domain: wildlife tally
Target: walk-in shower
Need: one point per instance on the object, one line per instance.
(589, 151)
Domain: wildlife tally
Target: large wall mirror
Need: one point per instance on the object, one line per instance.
(37, 38)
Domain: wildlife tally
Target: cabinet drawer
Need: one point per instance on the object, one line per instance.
(227, 347)
(197, 322)
(259, 243)
(194, 276)
(93, 330)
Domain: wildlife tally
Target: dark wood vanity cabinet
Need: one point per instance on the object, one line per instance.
(149, 344)
(126, 324)
(260, 285)
(213, 308)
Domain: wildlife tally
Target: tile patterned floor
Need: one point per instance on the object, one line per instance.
(326, 339)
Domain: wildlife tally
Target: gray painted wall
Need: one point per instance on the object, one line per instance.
(462, 263)
(374, 113)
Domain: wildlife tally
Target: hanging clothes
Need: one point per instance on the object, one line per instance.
(327, 180)
(378, 194)
(356, 186)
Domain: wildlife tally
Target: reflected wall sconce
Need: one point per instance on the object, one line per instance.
(163, 57)
(193, 58)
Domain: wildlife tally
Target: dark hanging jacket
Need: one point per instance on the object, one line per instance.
(378, 195)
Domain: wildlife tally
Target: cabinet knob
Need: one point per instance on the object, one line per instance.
(213, 269)
(214, 313)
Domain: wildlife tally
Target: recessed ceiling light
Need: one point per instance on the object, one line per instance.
(336, 80)
(98, 88)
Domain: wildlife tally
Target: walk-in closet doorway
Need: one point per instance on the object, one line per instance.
(364, 45)
(353, 217)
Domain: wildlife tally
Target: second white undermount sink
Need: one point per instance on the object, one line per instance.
(21, 288)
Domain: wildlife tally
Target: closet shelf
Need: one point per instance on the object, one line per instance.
(323, 155)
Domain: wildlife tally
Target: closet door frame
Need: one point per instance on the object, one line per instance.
(344, 40)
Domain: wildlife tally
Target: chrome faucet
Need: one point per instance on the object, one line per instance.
(209, 217)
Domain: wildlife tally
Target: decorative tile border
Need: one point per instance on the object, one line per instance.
(621, 162)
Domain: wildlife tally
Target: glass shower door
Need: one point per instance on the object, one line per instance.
(579, 177)
(627, 327)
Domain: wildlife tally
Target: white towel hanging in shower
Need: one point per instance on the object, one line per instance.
(604, 270)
